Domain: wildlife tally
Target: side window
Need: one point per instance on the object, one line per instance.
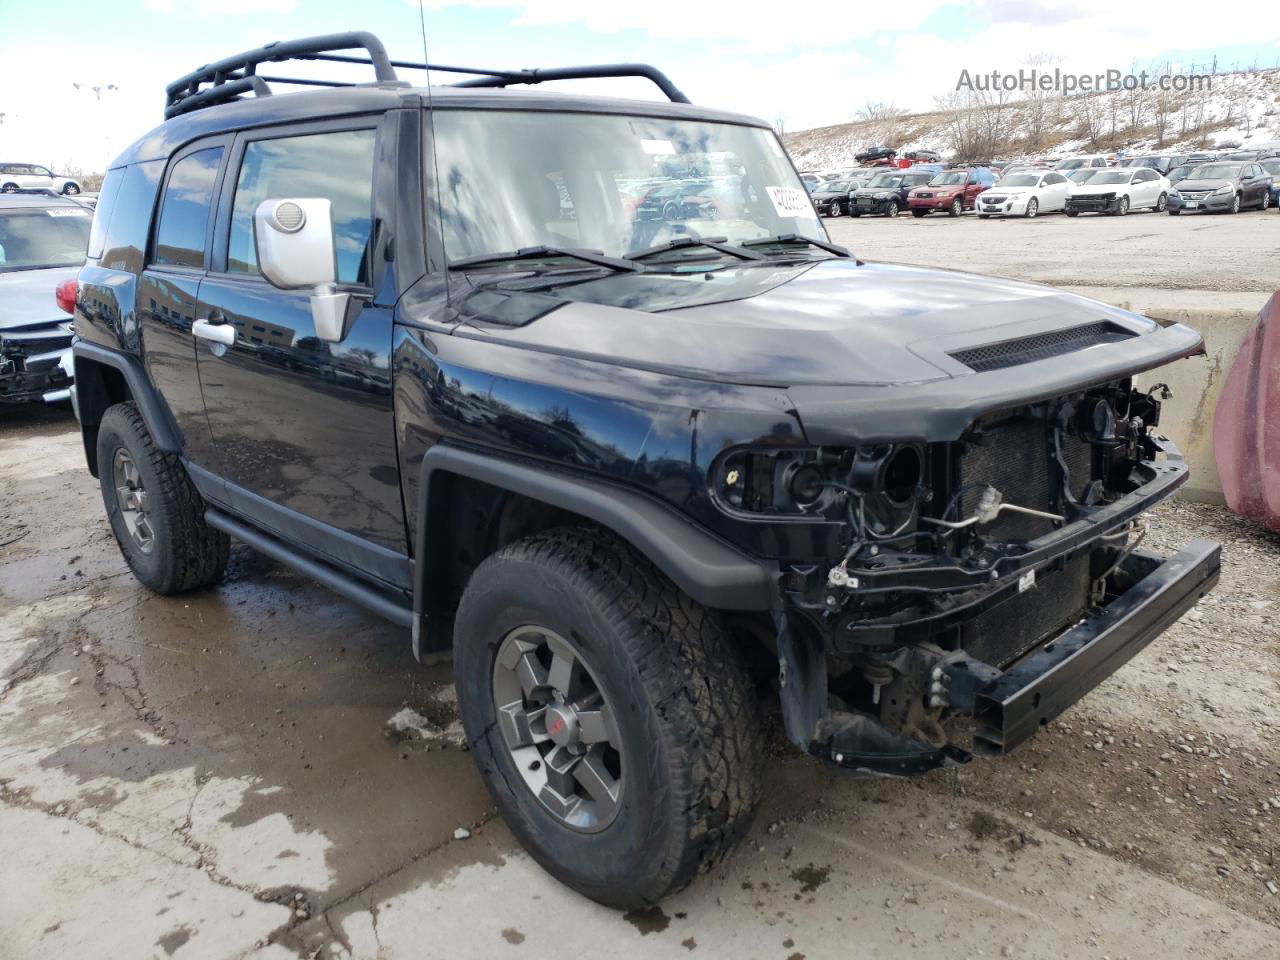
(102, 211)
(337, 166)
(41, 172)
(129, 218)
(184, 213)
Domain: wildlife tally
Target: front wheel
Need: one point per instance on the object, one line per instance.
(1163, 203)
(1265, 202)
(608, 715)
(1033, 208)
(892, 209)
(155, 511)
(70, 189)
(1072, 213)
(1235, 204)
(1122, 207)
(956, 208)
(833, 210)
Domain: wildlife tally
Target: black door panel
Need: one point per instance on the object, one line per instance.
(300, 422)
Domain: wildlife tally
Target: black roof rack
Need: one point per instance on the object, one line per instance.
(233, 77)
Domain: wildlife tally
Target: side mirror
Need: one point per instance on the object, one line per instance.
(296, 250)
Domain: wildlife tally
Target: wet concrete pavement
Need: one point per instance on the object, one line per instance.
(260, 770)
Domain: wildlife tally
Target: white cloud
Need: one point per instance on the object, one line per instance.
(230, 8)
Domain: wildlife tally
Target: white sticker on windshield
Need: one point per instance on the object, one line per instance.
(790, 201)
(664, 148)
(66, 212)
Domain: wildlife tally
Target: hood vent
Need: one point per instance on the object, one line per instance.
(1011, 353)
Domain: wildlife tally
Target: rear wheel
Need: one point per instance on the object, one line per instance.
(155, 512)
(1072, 213)
(9, 188)
(608, 715)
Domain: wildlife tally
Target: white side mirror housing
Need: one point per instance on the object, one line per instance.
(296, 250)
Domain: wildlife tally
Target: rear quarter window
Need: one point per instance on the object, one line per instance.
(130, 220)
(102, 213)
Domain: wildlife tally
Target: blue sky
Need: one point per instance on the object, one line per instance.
(814, 66)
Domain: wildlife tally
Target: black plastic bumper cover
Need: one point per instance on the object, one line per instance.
(1048, 681)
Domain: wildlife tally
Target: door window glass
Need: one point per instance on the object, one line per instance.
(184, 214)
(337, 166)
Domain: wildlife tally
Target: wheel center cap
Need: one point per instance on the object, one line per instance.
(562, 724)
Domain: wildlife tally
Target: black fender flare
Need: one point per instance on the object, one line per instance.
(90, 407)
(705, 567)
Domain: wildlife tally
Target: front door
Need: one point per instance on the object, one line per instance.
(304, 428)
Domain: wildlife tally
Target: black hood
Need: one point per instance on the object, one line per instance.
(833, 322)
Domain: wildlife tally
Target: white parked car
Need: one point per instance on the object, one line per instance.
(1097, 160)
(31, 176)
(1120, 190)
(1025, 194)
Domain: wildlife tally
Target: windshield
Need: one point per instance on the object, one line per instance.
(48, 237)
(1081, 176)
(1110, 176)
(515, 179)
(884, 181)
(1020, 180)
(1072, 164)
(1272, 167)
(1217, 171)
(945, 179)
(836, 186)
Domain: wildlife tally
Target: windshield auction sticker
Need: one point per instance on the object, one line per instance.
(66, 212)
(790, 201)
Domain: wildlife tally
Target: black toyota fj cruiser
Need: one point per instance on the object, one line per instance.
(637, 474)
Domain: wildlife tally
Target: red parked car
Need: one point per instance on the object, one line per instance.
(952, 190)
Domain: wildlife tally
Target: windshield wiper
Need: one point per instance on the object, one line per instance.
(593, 257)
(835, 248)
(718, 244)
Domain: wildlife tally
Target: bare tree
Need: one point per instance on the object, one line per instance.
(780, 123)
(879, 110)
(1041, 108)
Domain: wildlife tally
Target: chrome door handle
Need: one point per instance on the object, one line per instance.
(223, 333)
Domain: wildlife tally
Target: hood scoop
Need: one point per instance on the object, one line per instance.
(1042, 346)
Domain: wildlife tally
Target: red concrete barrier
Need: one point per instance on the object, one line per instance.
(1246, 426)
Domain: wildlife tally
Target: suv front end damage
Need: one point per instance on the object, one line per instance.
(996, 577)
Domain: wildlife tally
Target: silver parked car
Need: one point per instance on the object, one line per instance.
(42, 245)
(32, 176)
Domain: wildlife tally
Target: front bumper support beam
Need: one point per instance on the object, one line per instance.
(1046, 682)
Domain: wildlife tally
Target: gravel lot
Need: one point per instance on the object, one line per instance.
(260, 770)
(1190, 252)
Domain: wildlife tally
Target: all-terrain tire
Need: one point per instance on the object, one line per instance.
(185, 552)
(685, 710)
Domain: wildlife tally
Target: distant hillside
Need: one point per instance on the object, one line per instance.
(1241, 108)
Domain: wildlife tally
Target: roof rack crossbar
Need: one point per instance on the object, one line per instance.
(502, 78)
(233, 76)
(229, 79)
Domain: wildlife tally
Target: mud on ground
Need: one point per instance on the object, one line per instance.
(261, 770)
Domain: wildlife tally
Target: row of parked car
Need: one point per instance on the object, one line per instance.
(1073, 185)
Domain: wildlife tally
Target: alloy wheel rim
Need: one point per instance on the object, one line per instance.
(132, 501)
(557, 728)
